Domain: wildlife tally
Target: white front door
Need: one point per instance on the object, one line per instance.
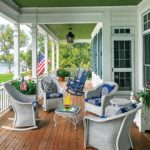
(122, 62)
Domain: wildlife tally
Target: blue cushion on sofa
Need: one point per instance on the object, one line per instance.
(125, 109)
(94, 100)
(108, 86)
(53, 95)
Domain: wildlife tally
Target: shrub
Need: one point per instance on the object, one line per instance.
(63, 73)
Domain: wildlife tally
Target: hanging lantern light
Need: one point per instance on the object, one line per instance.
(70, 36)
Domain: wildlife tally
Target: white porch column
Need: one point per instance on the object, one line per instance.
(34, 50)
(46, 53)
(106, 49)
(53, 55)
(57, 55)
(16, 51)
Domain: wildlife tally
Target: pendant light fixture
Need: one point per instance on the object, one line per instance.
(70, 36)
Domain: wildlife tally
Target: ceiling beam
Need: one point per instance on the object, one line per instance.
(79, 41)
(61, 15)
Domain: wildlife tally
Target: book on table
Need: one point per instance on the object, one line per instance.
(70, 110)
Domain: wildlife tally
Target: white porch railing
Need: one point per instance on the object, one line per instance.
(4, 102)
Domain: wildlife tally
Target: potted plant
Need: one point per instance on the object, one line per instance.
(142, 118)
(62, 73)
(144, 95)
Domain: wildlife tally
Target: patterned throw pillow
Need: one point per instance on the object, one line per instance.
(125, 109)
(49, 86)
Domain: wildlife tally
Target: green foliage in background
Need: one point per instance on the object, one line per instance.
(31, 87)
(27, 57)
(7, 43)
(63, 73)
(9, 76)
(75, 56)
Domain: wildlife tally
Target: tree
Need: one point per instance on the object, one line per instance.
(6, 43)
(40, 42)
(27, 56)
(75, 56)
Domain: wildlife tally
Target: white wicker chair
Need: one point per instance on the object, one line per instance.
(23, 106)
(105, 99)
(112, 133)
(51, 103)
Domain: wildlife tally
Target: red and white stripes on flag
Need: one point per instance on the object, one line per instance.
(41, 64)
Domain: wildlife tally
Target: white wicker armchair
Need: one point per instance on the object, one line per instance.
(51, 102)
(105, 99)
(25, 109)
(112, 133)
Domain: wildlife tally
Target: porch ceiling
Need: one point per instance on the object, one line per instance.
(81, 31)
(73, 3)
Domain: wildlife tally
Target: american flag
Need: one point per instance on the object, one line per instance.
(41, 64)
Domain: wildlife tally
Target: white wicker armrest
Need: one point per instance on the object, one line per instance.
(98, 119)
(94, 118)
(23, 103)
(28, 98)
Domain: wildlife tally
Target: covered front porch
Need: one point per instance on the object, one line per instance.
(120, 43)
(63, 136)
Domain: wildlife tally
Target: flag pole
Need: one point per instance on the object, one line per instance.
(37, 91)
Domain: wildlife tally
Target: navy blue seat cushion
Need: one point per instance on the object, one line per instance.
(108, 86)
(35, 104)
(126, 109)
(53, 95)
(94, 100)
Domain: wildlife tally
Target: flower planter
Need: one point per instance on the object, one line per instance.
(62, 78)
(142, 119)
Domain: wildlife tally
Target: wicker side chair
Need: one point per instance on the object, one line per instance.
(25, 108)
(51, 100)
(112, 133)
(101, 96)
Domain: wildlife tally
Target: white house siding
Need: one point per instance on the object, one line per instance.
(142, 8)
(115, 17)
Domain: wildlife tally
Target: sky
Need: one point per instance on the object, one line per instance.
(25, 28)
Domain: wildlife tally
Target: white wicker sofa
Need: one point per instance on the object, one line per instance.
(51, 100)
(112, 133)
(102, 95)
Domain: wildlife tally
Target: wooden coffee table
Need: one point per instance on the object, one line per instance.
(72, 116)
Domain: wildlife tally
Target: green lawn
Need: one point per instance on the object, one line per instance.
(5, 77)
(8, 76)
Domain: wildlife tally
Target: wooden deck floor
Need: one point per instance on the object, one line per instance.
(62, 137)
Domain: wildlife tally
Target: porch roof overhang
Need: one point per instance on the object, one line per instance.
(56, 16)
(74, 3)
